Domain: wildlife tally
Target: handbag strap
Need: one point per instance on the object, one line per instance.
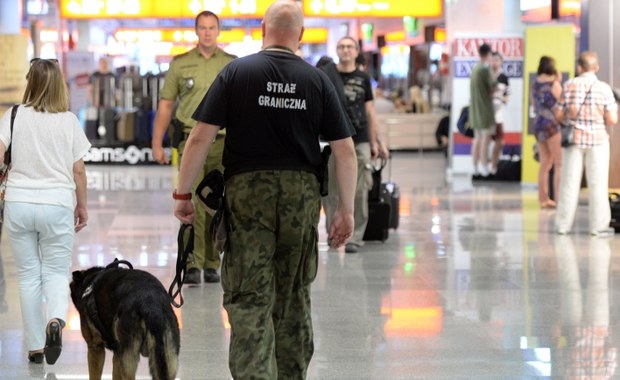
(7, 153)
(584, 99)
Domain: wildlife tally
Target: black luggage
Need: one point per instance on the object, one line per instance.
(383, 206)
(142, 127)
(378, 221)
(107, 125)
(391, 192)
(91, 123)
(614, 204)
(388, 191)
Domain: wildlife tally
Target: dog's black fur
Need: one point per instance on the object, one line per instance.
(134, 309)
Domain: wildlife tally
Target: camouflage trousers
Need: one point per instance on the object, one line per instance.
(267, 272)
(204, 255)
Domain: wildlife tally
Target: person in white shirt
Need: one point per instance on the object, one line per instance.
(45, 203)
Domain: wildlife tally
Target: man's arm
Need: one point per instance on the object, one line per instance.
(194, 155)
(611, 117)
(559, 114)
(345, 159)
(376, 149)
(611, 109)
(558, 108)
(160, 126)
(556, 89)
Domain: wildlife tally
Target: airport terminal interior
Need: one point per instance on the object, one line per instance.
(474, 284)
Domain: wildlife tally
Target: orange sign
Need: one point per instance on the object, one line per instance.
(84, 9)
(570, 8)
(183, 35)
(372, 8)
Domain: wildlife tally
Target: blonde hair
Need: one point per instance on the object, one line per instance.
(46, 90)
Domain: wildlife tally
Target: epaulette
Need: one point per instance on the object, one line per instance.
(181, 55)
(230, 55)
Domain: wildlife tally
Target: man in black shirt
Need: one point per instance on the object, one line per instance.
(274, 106)
(358, 99)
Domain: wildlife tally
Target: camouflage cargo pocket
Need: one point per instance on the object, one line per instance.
(311, 257)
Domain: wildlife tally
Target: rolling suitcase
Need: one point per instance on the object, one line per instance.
(391, 192)
(383, 201)
(107, 125)
(125, 129)
(378, 226)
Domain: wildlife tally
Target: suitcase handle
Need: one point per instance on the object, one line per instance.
(378, 168)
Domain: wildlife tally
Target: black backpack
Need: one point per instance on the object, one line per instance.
(463, 123)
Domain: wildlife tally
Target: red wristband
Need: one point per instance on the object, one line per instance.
(181, 197)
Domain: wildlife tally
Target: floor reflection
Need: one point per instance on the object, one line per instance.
(473, 284)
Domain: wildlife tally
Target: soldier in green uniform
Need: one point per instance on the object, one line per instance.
(274, 106)
(188, 79)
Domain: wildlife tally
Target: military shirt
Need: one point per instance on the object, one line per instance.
(189, 78)
(274, 106)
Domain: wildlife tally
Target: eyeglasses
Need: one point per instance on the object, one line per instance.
(32, 61)
(343, 47)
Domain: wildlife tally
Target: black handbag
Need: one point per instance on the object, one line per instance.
(568, 127)
(614, 205)
(568, 134)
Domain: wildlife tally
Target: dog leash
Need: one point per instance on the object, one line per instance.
(184, 251)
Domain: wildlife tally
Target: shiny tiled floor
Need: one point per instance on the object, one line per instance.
(473, 285)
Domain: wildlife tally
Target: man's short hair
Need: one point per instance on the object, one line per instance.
(357, 45)
(206, 14)
(496, 54)
(588, 60)
(484, 50)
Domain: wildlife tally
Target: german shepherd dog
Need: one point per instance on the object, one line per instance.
(127, 311)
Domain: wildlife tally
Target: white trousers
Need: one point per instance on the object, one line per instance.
(41, 238)
(596, 162)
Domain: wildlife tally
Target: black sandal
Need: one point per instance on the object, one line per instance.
(53, 341)
(35, 357)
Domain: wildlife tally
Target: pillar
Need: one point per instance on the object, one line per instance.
(14, 66)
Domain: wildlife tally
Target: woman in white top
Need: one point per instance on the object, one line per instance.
(45, 203)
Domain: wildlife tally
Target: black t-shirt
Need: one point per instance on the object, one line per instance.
(274, 106)
(357, 91)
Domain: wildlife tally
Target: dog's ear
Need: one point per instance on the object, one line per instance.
(78, 275)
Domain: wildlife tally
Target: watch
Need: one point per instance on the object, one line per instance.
(181, 197)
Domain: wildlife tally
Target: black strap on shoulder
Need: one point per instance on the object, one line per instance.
(7, 153)
(184, 251)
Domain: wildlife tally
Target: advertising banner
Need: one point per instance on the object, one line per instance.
(79, 65)
(464, 52)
